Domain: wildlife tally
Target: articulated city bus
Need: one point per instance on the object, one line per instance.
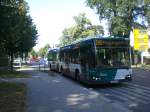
(52, 57)
(97, 60)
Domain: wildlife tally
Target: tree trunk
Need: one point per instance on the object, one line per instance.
(11, 61)
(26, 55)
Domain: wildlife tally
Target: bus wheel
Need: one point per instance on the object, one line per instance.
(77, 76)
(50, 67)
(61, 70)
(57, 69)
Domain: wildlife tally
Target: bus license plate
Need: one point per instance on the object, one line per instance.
(115, 81)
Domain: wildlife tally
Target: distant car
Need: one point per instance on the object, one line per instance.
(17, 60)
(43, 61)
(34, 59)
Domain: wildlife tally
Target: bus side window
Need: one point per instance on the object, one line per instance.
(93, 57)
(87, 55)
(66, 57)
(61, 56)
(83, 56)
(74, 55)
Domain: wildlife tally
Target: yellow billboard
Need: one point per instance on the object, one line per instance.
(140, 39)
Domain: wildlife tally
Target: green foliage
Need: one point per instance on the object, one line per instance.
(18, 34)
(17, 28)
(4, 61)
(33, 53)
(28, 34)
(122, 14)
(43, 51)
(82, 29)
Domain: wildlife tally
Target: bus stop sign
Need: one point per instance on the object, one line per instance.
(140, 40)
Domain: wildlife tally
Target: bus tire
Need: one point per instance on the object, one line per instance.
(77, 76)
(61, 70)
(50, 67)
(57, 69)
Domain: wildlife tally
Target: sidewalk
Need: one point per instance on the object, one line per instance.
(144, 67)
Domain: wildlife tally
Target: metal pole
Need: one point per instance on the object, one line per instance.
(39, 66)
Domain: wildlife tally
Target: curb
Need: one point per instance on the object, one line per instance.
(147, 69)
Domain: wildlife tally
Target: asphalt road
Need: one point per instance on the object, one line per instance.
(133, 95)
(56, 93)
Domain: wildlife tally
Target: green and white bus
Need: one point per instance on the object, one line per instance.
(52, 57)
(97, 60)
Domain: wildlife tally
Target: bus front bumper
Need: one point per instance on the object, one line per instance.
(92, 81)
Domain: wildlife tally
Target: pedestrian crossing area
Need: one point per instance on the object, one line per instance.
(128, 94)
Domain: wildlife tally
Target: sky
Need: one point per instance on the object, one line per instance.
(52, 16)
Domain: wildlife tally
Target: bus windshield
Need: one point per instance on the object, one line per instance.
(52, 56)
(113, 57)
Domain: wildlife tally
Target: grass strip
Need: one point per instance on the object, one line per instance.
(12, 97)
(15, 74)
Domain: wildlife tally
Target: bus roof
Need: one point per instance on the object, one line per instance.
(89, 39)
(99, 37)
(53, 49)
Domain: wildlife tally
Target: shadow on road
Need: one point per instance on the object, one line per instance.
(95, 86)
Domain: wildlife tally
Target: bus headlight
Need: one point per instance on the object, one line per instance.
(128, 77)
(96, 78)
(93, 78)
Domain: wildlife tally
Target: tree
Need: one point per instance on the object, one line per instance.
(33, 53)
(18, 34)
(82, 29)
(28, 36)
(123, 15)
(43, 51)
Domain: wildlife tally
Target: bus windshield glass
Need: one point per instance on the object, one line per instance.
(113, 57)
(52, 56)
